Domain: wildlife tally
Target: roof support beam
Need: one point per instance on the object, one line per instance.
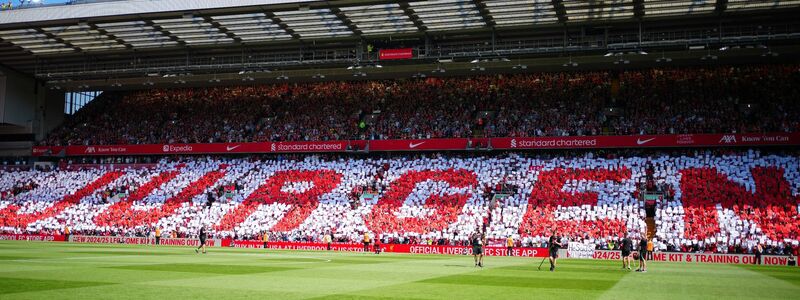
(638, 8)
(165, 32)
(721, 6)
(57, 39)
(275, 19)
(409, 12)
(109, 35)
(346, 21)
(485, 14)
(222, 29)
(561, 11)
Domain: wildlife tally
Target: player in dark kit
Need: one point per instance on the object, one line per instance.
(477, 248)
(758, 250)
(554, 244)
(626, 247)
(202, 237)
(642, 255)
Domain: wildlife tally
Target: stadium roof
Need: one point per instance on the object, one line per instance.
(28, 36)
(142, 24)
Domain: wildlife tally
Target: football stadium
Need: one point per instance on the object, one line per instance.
(375, 149)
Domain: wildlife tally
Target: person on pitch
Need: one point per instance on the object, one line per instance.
(265, 239)
(642, 255)
(554, 244)
(510, 246)
(758, 250)
(366, 242)
(327, 240)
(626, 247)
(477, 241)
(202, 237)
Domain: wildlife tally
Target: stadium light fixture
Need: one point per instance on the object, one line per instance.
(709, 57)
(519, 67)
(663, 58)
(477, 68)
(570, 63)
(769, 54)
(318, 76)
(609, 54)
(642, 52)
(475, 61)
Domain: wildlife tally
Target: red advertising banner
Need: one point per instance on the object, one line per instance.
(141, 241)
(452, 144)
(317, 146)
(464, 250)
(46, 150)
(418, 145)
(695, 258)
(293, 245)
(399, 53)
(647, 141)
(32, 237)
(394, 248)
(168, 149)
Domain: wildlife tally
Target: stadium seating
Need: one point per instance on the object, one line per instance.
(651, 101)
(723, 202)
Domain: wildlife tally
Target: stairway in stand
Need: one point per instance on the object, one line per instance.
(651, 227)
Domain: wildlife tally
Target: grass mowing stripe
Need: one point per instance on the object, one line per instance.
(506, 281)
(701, 281)
(786, 274)
(14, 257)
(205, 268)
(10, 285)
(120, 253)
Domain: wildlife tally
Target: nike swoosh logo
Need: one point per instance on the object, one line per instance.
(640, 142)
(229, 148)
(412, 145)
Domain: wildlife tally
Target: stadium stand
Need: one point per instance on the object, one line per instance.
(716, 99)
(716, 201)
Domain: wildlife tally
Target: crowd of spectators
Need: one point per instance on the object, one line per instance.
(718, 202)
(718, 99)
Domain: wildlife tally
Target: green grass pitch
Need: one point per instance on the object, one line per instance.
(34, 270)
